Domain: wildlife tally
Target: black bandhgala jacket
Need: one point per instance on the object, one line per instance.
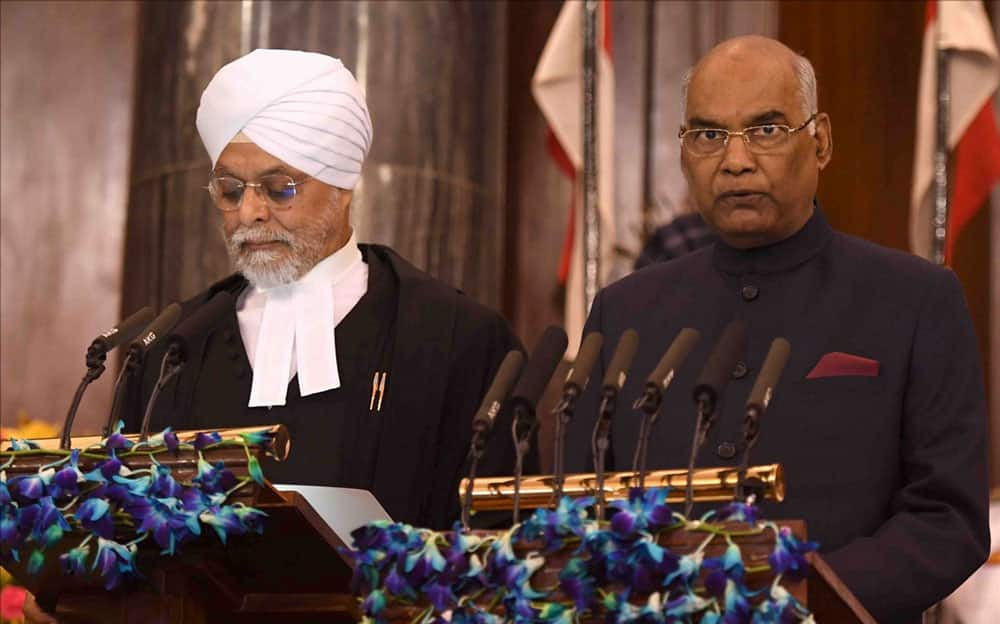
(889, 470)
(409, 451)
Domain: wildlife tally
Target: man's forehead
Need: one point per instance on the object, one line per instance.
(248, 159)
(740, 93)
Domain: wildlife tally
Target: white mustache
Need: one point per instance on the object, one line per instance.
(245, 235)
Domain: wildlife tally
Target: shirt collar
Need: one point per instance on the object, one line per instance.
(776, 257)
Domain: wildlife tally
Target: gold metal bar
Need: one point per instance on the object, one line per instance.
(710, 485)
(279, 450)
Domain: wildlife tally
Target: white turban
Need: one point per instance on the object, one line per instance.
(303, 108)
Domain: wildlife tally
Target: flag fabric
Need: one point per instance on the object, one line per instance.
(963, 28)
(557, 87)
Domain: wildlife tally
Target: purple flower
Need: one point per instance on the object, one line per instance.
(739, 512)
(789, 555)
(374, 603)
(8, 524)
(49, 523)
(165, 519)
(398, 586)
(94, 514)
(577, 584)
(203, 439)
(114, 560)
(170, 439)
(213, 478)
(723, 569)
(644, 511)
(30, 487)
(163, 484)
(440, 595)
(64, 483)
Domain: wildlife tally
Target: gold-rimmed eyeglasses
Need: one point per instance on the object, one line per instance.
(759, 139)
(277, 189)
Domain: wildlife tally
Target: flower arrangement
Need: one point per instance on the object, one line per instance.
(618, 568)
(93, 493)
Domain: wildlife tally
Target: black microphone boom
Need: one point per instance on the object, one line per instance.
(483, 421)
(97, 354)
(537, 373)
(652, 395)
(137, 350)
(614, 379)
(721, 362)
(757, 402)
(576, 382)
(179, 346)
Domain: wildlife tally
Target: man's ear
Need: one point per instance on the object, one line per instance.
(824, 140)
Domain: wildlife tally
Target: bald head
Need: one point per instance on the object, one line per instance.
(743, 51)
(754, 189)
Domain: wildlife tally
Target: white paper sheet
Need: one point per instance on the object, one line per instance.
(344, 509)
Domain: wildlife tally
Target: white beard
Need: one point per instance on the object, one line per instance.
(266, 268)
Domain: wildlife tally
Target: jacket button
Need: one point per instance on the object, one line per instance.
(726, 450)
(740, 371)
(749, 293)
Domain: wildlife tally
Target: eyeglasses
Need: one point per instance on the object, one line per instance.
(277, 189)
(759, 139)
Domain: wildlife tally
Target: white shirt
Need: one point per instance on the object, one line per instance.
(289, 329)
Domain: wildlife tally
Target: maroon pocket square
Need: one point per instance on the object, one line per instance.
(837, 364)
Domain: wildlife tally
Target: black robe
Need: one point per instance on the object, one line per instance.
(438, 350)
(889, 471)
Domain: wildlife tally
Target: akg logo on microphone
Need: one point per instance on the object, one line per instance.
(149, 339)
(111, 332)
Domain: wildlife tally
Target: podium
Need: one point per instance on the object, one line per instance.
(295, 571)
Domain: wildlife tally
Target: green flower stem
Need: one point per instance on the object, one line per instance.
(236, 487)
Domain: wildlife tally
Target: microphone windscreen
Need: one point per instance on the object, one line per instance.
(673, 358)
(124, 332)
(621, 359)
(503, 381)
(157, 329)
(721, 362)
(541, 365)
(586, 357)
(201, 321)
(770, 372)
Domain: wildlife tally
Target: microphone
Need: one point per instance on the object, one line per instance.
(179, 346)
(482, 422)
(664, 372)
(708, 389)
(576, 382)
(720, 364)
(756, 405)
(135, 355)
(652, 396)
(614, 379)
(97, 354)
(507, 374)
(537, 373)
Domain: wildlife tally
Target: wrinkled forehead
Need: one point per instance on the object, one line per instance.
(735, 90)
(246, 160)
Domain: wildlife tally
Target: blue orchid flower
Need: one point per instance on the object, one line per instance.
(262, 437)
(116, 440)
(644, 511)
(35, 561)
(49, 523)
(789, 555)
(74, 561)
(374, 603)
(163, 484)
(213, 478)
(203, 439)
(8, 524)
(30, 487)
(17, 444)
(166, 520)
(253, 469)
(114, 560)
(94, 514)
(577, 584)
(737, 511)
(723, 569)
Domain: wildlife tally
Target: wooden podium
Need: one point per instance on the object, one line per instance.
(295, 571)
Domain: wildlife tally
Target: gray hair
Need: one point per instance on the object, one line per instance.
(807, 89)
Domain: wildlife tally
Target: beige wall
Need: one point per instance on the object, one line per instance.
(66, 78)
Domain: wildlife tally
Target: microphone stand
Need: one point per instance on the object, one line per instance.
(96, 358)
(649, 403)
(522, 428)
(476, 449)
(564, 414)
(600, 442)
(172, 364)
(701, 427)
(746, 488)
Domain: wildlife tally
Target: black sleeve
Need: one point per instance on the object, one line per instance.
(481, 344)
(938, 531)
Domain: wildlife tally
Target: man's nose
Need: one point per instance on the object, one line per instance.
(736, 157)
(253, 207)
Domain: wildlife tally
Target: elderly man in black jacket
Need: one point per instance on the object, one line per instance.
(880, 416)
(375, 368)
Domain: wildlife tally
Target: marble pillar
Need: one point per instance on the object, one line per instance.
(432, 188)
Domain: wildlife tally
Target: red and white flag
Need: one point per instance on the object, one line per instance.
(973, 76)
(558, 89)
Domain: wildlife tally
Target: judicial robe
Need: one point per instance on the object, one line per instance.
(415, 358)
(887, 465)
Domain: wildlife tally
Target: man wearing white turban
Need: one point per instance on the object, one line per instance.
(375, 367)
